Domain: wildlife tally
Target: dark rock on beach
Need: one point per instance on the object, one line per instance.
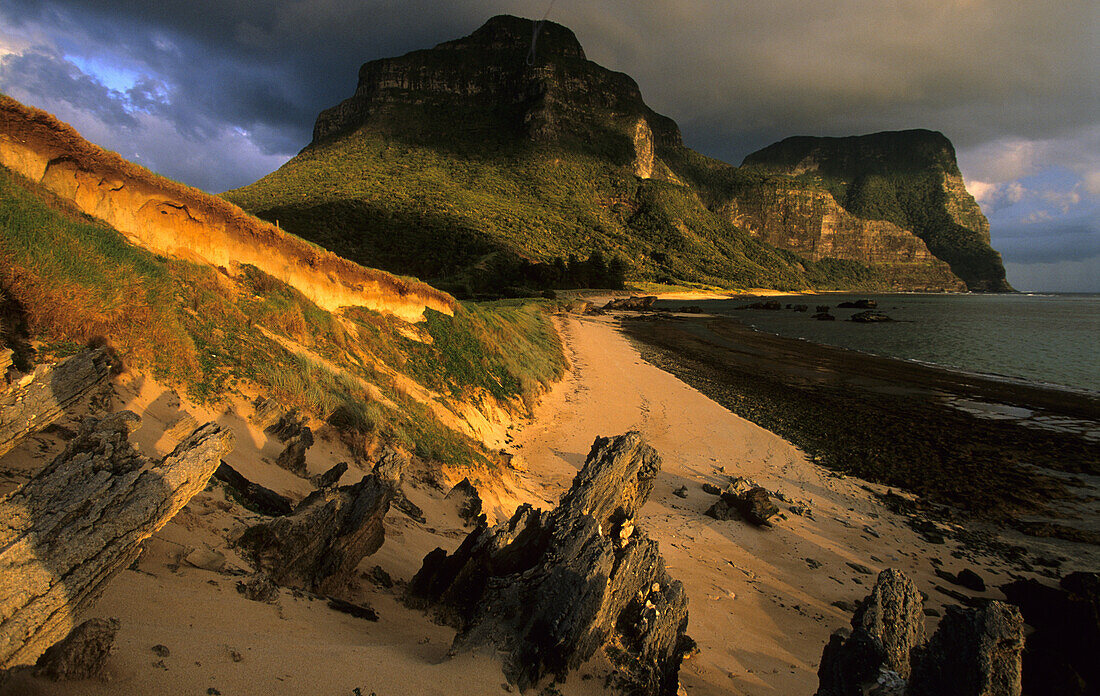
(1060, 654)
(824, 316)
(549, 589)
(251, 495)
(869, 317)
(293, 458)
(469, 502)
(331, 477)
(859, 304)
(318, 546)
(974, 652)
(80, 655)
(753, 505)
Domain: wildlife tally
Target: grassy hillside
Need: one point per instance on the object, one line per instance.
(67, 280)
(472, 217)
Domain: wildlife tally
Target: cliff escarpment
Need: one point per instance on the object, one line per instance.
(907, 179)
(490, 85)
(493, 164)
(175, 220)
(812, 224)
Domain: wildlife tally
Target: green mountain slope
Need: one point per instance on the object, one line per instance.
(469, 168)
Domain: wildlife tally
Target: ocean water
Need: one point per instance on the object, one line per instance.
(1051, 338)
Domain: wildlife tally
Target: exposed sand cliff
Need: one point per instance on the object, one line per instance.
(172, 219)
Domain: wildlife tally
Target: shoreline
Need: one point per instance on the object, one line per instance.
(900, 423)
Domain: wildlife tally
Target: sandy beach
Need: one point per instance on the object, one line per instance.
(762, 601)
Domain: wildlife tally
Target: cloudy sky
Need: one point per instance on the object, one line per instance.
(217, 93)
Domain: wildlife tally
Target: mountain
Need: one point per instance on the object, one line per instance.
(469, 167)
(907, 179)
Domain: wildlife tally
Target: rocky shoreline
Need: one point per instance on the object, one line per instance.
(893, 422)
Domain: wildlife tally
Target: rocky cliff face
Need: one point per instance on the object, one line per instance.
(812, 224)
(489, 81)
(903, 188)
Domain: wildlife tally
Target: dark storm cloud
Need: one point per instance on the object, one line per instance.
(53, 74)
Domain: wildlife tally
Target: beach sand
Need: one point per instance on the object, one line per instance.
(761, 600)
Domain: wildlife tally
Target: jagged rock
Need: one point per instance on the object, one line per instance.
(331, 477)
(822, 309)
(824, 316)
(252, 495)
(753, 504)
(391, 466)
(293, 458)
(869, 317)
(886, 627)
(469, 502)
(549, 589)
(259, 589)
(289, 425)
(1060, 655)
(681, 492)
(973, 653)
(6, 355)
(32, 404)
(266, 412)
(756, 506)
(636, 303)
(712, 489)
(318, 546)
(80, 655)
(359, 611)
(81, 520)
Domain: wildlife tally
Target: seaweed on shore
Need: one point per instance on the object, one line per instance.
(990, 468)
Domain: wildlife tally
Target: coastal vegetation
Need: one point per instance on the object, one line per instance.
(70, 280)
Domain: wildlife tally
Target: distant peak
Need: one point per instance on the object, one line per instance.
(510, 33)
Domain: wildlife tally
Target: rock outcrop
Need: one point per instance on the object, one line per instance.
(974, 652)
(42, 397)
(549, 589)
(80, 655)
(81, 520)
(318, 546)
(1060, 656)
(252, 495)
(752, 503)
(175, 220)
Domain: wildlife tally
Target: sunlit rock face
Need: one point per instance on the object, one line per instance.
(868, 194)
